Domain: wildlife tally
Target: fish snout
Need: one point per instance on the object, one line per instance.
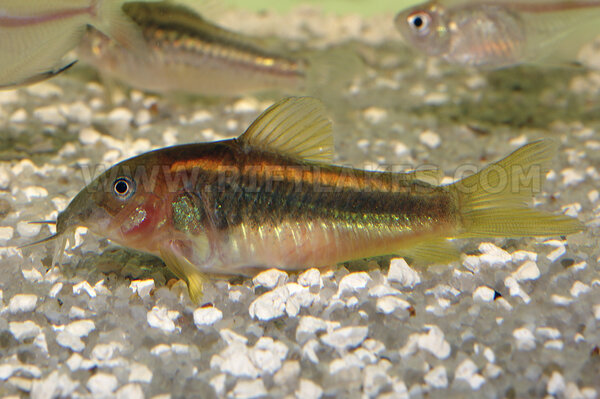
(66, 221)
(82, 211)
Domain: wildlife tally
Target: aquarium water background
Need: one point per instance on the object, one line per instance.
(514, 318)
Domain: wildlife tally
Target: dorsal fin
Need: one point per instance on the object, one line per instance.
(296, 126)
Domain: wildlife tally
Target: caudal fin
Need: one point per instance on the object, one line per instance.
(494, 202)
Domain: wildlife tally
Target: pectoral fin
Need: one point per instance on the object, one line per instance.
(185, 270)
(38, 78)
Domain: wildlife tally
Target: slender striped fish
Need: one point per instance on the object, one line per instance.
(35, 35)
(271, 198)
(501, 33)
(185, 53)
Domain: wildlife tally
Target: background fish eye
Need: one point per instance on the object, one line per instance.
(123, 188)
(420, 21)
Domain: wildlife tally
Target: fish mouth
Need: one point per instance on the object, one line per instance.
(60, 236)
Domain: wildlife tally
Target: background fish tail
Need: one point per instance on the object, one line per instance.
(557, 37)
(494, 202)
(111, 20)
(332, 69)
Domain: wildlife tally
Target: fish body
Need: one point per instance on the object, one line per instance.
(37, 34)
(270, 199)
(186, 53)
(501, 33)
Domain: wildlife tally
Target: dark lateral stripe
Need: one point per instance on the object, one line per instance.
(260, 187)
(246, 59)
(233, 202)
(184, 28)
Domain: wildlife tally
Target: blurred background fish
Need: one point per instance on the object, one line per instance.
(186, 53)
(501, 33)
(35, 35)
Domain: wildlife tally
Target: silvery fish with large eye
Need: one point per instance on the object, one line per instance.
(500, 33)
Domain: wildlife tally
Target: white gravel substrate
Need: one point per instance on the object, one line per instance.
(514, 318)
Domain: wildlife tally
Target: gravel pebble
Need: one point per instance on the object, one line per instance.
(311, 278)
(246, 105)
(493, 256)
(307, 389)
(437, 377)
(89, 136)
(142, 287)
(270, 278)
(130, 391)
(430, 139)
(579, 288)
(483, 294)
(345, 338)
(33, 192)
(84, 287)
(353, 283)
(140, 373)
(309, 326)
(24, 330)
(400, 272)
(597, 311)
(163, 319)
(70, 341)
(375, 115)
(22, 303)
(6, 233)
(26, 229)
(249, 389)
(467, 371)
(434, 342)
(269, 305)
(525, 339)
(50, 115)
(527, 271)
(556, 384)
(207, 316)
(77, 112)
(268, 354)
(19, 116)
(389, 304)
(557, 253)
(102, 384)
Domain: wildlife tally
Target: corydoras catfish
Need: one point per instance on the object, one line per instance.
(500, 33)
(186, 53)
(37, 34)
(271, 198)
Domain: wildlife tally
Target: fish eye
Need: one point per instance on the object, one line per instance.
(123, 188)
(420, 22)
